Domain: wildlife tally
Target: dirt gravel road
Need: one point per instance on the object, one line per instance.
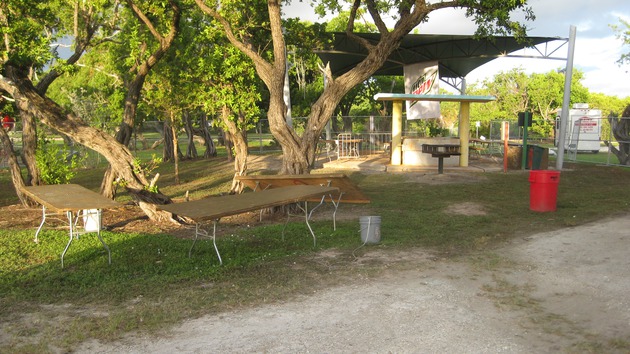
(564, 291)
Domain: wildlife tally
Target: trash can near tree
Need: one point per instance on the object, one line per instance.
(543, 191)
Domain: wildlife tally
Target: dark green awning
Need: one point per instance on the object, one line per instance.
(457, 55)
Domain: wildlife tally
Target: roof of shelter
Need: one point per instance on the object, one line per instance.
(457, 55)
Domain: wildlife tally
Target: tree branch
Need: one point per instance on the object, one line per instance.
(350, 27)
(376, 16)
(144, 19)
(243, 46)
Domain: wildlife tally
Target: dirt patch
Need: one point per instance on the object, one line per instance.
(466, 208)
(446, 178)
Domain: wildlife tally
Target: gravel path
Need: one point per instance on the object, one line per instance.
(561, 291)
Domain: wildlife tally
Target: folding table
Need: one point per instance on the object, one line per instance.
(78, 203)
(214, 208)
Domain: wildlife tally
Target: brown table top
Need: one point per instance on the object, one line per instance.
(351, 194)
(214, 208)
(68, 197)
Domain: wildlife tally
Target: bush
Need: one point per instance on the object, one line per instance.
(56, 165)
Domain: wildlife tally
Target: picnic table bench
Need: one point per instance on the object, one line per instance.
(347, 191)
(77, 203)
(215, 208)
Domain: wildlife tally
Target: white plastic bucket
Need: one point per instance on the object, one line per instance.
(91, 220)
(370, 229)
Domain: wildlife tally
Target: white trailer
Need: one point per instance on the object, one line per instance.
(583, 129)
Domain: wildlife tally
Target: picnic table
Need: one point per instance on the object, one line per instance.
(215, 208)
(78, 204)
(347, 191)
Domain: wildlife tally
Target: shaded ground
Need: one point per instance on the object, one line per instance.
(552, 292)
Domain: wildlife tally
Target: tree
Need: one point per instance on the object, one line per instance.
(225, 86)
(152, 36)
(620, 128)
(53, 115)
(539, 93)
(623, 33)
(28, 32)
(492, 17)
(232, 92)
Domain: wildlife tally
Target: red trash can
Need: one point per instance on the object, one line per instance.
(543, 191)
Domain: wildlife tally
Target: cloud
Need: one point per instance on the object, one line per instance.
(596, 49)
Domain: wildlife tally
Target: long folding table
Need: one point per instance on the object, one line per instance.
(81, 206)
(348, 192)
(215, 208)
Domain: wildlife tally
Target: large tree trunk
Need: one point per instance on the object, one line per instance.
(344, 110)
(175, 146)
(211, 149)
(621, 131)
(191, 150)
(119, 157)
(238, 137)
(16, 175)
(227, 142)
(299, 152)
(29, 145)
(170, 149)
(125, 130)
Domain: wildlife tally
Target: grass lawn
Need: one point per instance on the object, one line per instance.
(152, 283)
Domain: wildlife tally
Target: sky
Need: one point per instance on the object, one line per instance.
(596, 48)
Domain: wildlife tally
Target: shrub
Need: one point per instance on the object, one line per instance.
(56, 165)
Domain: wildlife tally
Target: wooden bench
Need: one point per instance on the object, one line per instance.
(214, 208)
(347, 191)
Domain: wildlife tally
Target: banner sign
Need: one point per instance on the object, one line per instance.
(422, 79)
(587, 125)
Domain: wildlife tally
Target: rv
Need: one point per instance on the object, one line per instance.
(583, 129)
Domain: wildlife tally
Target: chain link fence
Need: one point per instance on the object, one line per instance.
(591, 141)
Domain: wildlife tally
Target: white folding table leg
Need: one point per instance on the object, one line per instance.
(41, 224)
(200, 231)
(71, 235)
(109, 253)
(321, 202)
(99, 215)
(214, 240)
(306, 217)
